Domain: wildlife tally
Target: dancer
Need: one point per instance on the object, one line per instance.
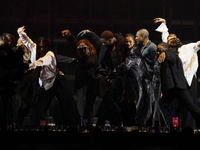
(174, 84)
(135, 79)
(148, 50)
(53, 84)
(12, 69)
(31, 82)
(189, 58)
(90, 73)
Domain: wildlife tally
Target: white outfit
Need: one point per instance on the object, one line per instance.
(187, 54)
(49, 71)
(29, 44)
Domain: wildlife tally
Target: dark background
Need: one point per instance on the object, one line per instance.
(49, 17)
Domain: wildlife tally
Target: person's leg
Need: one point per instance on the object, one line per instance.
(168, 105)
(90, 100)
(187, 101)
(42, 104)
(187, 119)
(66, 101)
(128, 113)
(26, 104)
(110, 109)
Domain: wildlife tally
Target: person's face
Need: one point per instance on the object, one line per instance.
(8, 40)
(139, 39)
(108, 42)
(129, 42)
(41, 48)
(83, 50)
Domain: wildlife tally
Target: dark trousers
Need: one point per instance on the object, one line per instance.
(67, 103)
(170, 101)
(187, 119)
(90, 100)
(8, 104)
(128, 113)
(108, 110)
(28, 89)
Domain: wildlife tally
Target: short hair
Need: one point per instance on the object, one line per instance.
(107, 34)
(144, 32)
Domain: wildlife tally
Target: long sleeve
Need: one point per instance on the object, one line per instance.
(187, 51)
(189, 58)
(64, 59)
(128, 64)
(164, 30)
(29, 44)
(170, 57)
(44, 61)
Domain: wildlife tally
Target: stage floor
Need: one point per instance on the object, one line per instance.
(98, 138)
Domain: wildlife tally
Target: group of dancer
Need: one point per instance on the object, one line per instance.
(138, 81)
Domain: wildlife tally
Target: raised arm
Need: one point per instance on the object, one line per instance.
(25, 39)
(27, 42)
(70, 37)
(92, 37)
(162, 28)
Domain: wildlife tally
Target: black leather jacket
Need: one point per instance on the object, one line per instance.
(137, 85)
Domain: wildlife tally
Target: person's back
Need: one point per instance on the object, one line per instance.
(172, 72)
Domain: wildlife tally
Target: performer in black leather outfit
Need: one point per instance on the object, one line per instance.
(135, 80)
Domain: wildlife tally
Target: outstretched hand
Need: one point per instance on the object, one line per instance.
(21, 29)
(161, 57)
(156, 20)
(83, 32)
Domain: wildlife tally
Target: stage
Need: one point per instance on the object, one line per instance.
(98, 138)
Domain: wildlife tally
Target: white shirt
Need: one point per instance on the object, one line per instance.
(45, 74)
(29, 44)
(49, 71)
(187, 54)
